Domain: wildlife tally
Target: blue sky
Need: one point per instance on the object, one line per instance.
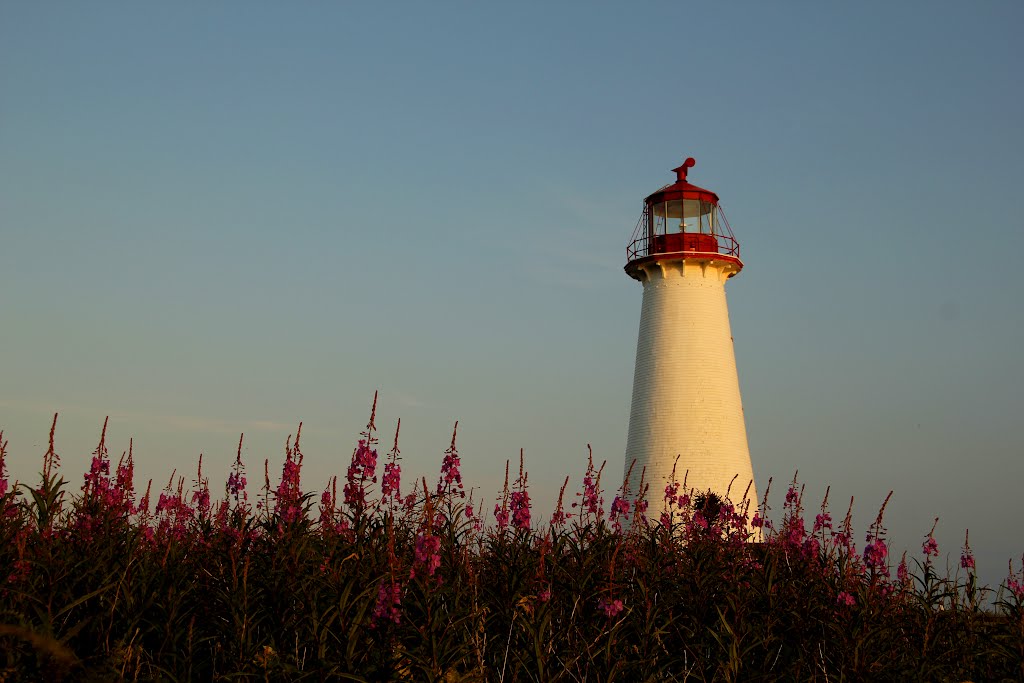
(228, 218)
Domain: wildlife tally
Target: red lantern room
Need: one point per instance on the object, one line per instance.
(683, 221)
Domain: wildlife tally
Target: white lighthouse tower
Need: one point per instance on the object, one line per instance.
(686, 393)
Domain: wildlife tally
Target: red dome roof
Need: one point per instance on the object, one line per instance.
(682, 189)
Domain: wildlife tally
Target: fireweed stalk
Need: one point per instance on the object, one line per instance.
(591, 501)
(391, 482)
(4, 485)
(519, 500)
(501, 507)
(362, 470)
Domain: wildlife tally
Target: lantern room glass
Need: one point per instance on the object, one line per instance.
(686, 215)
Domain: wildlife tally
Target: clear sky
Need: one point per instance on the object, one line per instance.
(228, 217)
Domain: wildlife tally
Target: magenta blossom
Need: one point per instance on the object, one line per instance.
(361, 471)
(392, 480)
(592, 502)
(427, 555)
(3, 465)
(902, 573)
(451, 476)
(875, 554)
(389, 600)
(501, 516)
(610, 607)
(519, 503)
(966, 556)
(620, 509)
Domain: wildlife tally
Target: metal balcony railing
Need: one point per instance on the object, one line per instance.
(652, 237)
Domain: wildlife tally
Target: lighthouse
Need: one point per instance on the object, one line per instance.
(686, 393)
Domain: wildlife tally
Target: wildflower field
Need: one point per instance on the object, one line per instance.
(379, 579)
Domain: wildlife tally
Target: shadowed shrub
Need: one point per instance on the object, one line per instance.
(396, 580)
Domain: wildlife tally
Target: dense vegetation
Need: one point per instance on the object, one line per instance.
(399, 581)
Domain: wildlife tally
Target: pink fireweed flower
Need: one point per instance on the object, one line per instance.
(392, 480)
(201, 494)
(99, 469)
(559, 517)
(610, 607)
(670, 492)
(389, 600)
(620, 509)
(201, 499)
(3, 466)
(876, 551)
(519, 499)
(451, 476)
(361, 471)
(236, 486)
(792, 497)
(902, 572)
(236, 483)
(875, 554)
(843, 539)
(1015, 585)
(822, 521)
(930, 548)
(288, 501)
(105, 496)
(501, 515)
(544, 595)
(173, 513)
(967, 559)
(329, 521)
(966, 556)
(501, 508)
(844, 598)
(427, 555)
(474, 515)
(327, 506)
(795, 532)
(519, 504)
(592, 502)
(97, 484)
(124, 482)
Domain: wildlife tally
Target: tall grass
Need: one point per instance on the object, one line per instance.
(389, 579)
